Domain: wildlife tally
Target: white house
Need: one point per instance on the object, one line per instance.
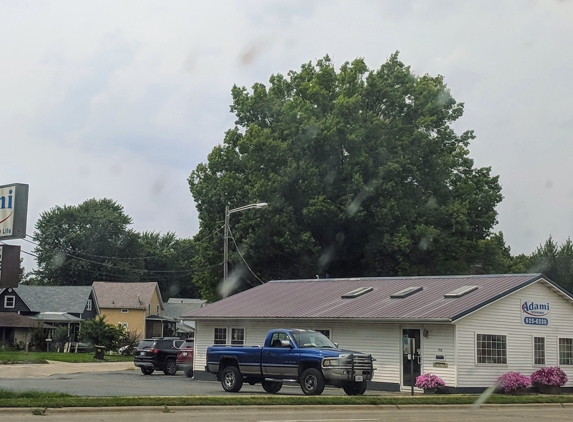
(469, 330)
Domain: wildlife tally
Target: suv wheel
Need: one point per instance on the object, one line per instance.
(170, 367)
(147, 371)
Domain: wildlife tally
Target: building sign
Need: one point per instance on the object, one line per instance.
(9, 266)
(534, 312)
(13, 211)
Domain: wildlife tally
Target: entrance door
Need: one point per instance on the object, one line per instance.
(412, 359)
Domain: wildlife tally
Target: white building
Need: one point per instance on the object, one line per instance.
(468, 330)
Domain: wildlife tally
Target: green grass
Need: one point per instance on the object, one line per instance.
(36, 399)
(12, 357)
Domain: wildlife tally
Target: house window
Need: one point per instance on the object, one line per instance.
(89, 305)
(220, 336)
(9, 301)
(565, 351)
(157, 310)
(491, 348)
(325, 332)
(125, 325)
(539, 350)
(149, 309)
(237, 336)
(125, 311)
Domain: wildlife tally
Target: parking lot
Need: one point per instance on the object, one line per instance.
(123, 379)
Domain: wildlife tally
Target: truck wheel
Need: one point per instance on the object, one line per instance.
(312, 382)
(231, 379)
(272, 387)
(189, 372)
(146, 371)
(355, 388)
(170, 367)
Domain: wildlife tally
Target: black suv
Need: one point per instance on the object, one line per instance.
(158, 354)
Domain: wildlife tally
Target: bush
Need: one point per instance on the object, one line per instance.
(549, 375)
(429, 382)
(513, 381)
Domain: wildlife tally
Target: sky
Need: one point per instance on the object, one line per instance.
(123, 99)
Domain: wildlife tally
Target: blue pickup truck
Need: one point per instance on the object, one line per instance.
(305, 356)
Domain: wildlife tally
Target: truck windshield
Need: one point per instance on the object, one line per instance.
(312, 339)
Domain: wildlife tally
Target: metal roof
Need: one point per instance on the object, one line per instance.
(322, 298)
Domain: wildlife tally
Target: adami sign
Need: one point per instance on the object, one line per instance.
(535, 312)
(13, 211)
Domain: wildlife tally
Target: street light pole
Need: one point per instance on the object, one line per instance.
(226, 235)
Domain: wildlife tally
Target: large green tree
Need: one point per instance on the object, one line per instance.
(363, 174)
(77, 245)
(555, 261)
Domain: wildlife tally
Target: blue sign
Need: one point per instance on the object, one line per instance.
(535, 321)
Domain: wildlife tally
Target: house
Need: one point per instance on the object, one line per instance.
(14, 329)
(468, 330)
(175, 307)
(137, 306)
(55, 305)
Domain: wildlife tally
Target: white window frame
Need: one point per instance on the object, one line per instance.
(565, 351)
(6, 305)
(235, 340)
(125, 325)
(89, 305)
(125, 311)
(220, 335)
(494, 352)
(537, 359)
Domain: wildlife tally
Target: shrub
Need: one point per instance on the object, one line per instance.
(429, 382)
(549, 375)
(513, 381)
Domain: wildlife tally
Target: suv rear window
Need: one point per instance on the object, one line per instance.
(146, 344)
(188, 343)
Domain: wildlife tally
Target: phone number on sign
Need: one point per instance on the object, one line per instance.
(536, 321)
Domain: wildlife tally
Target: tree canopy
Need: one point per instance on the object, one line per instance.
(363, 173)
(77, 245)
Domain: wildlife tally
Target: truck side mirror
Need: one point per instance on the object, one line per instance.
(286, 343)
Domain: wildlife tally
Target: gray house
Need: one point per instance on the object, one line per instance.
(468, 330)
(55, 305)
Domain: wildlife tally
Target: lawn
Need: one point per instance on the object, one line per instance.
(53, 400)
(14, 357)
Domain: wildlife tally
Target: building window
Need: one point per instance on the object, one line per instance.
(9, 301)
(220, 336)
(89, 305)
(149, 309)
(325, 332)
(539, 350)
(125, 325)
(491, 348)
(157, 310)
(237, 336)
(565, 351)
(125, 311)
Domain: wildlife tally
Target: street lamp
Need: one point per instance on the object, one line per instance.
(228, 213)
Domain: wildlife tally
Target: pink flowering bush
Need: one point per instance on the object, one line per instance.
(512, 381)
(549, 375)
(429, 382)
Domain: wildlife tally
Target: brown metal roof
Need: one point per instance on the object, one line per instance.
(317, 299)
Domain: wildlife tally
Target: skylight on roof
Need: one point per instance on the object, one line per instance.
(357, 292)
(461, 291)
(406, 292)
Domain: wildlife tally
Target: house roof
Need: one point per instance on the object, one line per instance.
(72, 299)
(323, 299)
(176, 309)
(56, 317)
(14, 320)
(126, 295)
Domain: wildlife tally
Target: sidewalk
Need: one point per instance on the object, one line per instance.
(31, 370)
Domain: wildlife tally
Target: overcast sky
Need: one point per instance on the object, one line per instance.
(122, 99)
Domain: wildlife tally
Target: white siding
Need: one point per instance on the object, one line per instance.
(504, 318)
(440, 341)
